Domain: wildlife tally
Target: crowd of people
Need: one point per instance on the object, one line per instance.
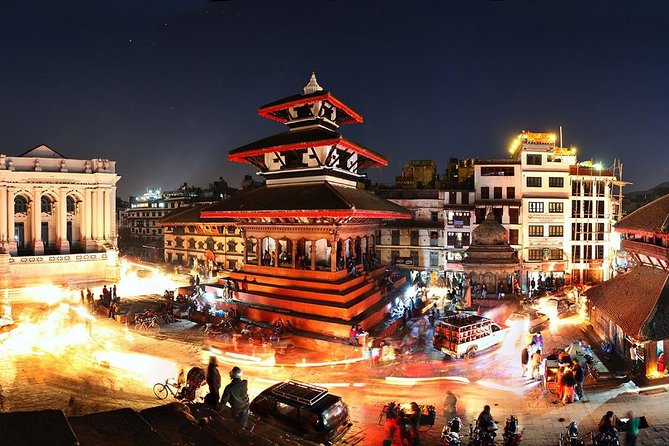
(404, 421)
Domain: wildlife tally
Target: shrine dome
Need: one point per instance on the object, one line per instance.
(490, 233)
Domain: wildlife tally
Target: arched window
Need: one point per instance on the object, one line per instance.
(46, 205)
(232, 246)
(210, 243)
(71, 205)
(20, 204)
(191, 243)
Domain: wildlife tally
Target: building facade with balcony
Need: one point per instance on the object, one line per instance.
(415, 244)
(57, 218)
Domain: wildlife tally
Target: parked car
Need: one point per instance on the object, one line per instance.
(531, 320)
(309, 411)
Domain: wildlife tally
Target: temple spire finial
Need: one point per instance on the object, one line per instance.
(312, 86)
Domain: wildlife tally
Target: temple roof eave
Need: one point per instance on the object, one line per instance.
(267, 110)
(302, 140)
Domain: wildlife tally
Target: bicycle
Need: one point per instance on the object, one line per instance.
(147, 324)
(163, 390)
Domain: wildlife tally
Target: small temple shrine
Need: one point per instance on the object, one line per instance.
(490, 260)
(308, 252)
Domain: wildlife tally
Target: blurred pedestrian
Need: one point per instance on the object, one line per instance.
(214, 383)
(390, 425)
(524, 360)
(631, 429)
(450, 406)
(579, 377)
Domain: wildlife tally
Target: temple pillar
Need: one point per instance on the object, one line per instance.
(333, 254)
(38, 244)
(293, 253)
(11, 240)
(98, 210)
(4, 237)
(245, 254)
(277, 245)
(61, 228)
(87, 221)
(313, 255)
(259, 250)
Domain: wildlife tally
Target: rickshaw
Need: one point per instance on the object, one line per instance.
(551, 368)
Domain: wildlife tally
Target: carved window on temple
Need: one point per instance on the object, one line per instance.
(191, 243)
(210, 243)
(294, 159)
(220, 246)
(200, 245)
(179, 242)
(232, 246)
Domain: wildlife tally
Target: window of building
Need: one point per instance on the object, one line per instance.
(479, 213)
(536, 230)
(600, 251)
(394, 255)
(395, 237)
(454, 239)
(46, 205)
(434, 258)
(191, 229)
(377, 237)
(232, 246)
(452, 198)
(587, 252)
(191, 243)
(498, 213)
(587, 209)
(465, 197)
(533, 160)
(466, 238)
(601, 187)
(575, 208)
(600, 231)
(510, 193)
(493, 171)
(459, 218)
(485, 193)
(414, 257)
(534, 255)
(587, 188)
(556, 254)
(600, 208)
(71, 205)
(179, 242)
(434, 216)
(555, 231)
(513, 216)
(414, 238)
(576, 187)
(232, 229)
(555, 182)
(497, 193)
(20, 204)
(513, 236)
(576, 253)
(555, 207)
(533, 181)
(232, 264)
(220, 246)
(434, 238)
(536, 207)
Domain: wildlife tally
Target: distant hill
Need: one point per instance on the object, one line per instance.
(634, 200)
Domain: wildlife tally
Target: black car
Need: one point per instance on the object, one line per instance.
(305, 410)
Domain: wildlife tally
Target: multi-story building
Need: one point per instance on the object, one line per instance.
(415, 244)
(57, 218)
(145, 235)
(459, 219)
(417, 174)
(189, 239)
(545, 204)
(594, 209)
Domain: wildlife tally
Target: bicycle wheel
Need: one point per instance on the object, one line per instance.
(153, 327)
(160, 390)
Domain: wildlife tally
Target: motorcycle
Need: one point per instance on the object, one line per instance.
(482, 437)
(450, 435)
(609, 438)
(511, 435)
(571, 437)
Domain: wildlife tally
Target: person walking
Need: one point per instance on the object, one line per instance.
(214, 383)
(450, 406)
(524, 359)
(568, 382)
(237, 394)
(390, 425)
(634, 357)
(579, 377)
(631, 429)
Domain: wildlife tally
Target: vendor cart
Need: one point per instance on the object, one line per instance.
(551, 368)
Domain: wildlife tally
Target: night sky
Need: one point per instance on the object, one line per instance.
(167, 87)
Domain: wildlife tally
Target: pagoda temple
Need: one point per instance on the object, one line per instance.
(309, 234)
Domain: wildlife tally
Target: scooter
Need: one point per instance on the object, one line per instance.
(571, 438)
(511, 435)
(450, 435)
(606, 439)
(480, 437)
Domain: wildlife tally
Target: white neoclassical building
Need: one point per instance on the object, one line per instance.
(57, 218)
